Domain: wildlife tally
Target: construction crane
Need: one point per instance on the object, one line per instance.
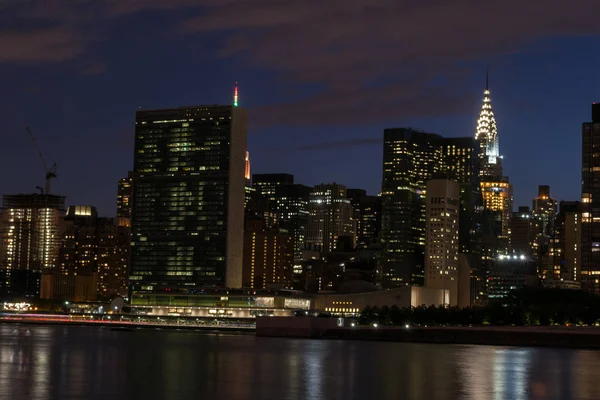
(50, 172)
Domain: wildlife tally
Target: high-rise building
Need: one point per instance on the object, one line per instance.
(93, 259)
(498, 197)
(330, 225)
(268, 257)
(487, 136)
(410, 159)
(544, 212)
(266, 185)
(292, 214)
(567, 241)
(495, 187)
(29, 241)
(522, 233)
(188, 198)
(366, 216)
(441, 238)
(124, 196)
(590, 207)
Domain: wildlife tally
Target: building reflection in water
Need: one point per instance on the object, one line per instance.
(98, 363)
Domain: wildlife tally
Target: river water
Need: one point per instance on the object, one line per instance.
(72, 362)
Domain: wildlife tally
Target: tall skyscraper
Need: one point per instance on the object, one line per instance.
(292, 213)
(487, 136)
(366, 216)
(441, 249)
(544, 212)
(590, 207)
(567, 241)
(410, 159)
(330, 225)
(188, 198)
(495, 187)
(29, 240)
(124, 196)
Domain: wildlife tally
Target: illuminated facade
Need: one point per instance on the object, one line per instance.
(441, 237)
(487, 136)
(410, 159)
(267, 184)
(247, 175)
(268, 257)
(590, 203)
(188, 198)
(93, 258)
(30, 234)
(29, 240)
(330, 224)
(567, 242)
(498, 197)
(292, 213)
(124, 196)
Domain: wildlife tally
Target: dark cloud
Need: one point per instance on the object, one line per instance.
(95, 69)
(345, 43)
(49, 45)
(409, 46)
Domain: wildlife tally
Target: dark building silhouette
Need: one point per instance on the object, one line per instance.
(366, 215)
(124, 193)
(590, 207)
(410, 159)
(188, 198)
(292, 214)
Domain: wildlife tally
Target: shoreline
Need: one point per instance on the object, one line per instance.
(528, 336)
(557, 337)
(128, 326)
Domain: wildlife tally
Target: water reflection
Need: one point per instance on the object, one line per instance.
(38, 362)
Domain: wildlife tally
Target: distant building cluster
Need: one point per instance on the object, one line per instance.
(193, 226)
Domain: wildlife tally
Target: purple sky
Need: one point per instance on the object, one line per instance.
(321, 79)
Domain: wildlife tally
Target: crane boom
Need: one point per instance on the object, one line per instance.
(50, 172)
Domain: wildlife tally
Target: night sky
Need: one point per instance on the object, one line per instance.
(321, 80)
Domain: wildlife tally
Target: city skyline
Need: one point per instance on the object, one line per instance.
(307, 118)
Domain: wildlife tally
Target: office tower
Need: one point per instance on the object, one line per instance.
(330, 225)
(268, 257)
(487, 136)
(366, 216)
(29, 241)
(293, 212)
(544, 212)
(522, 233)
(266, 184)
(590, 207)
(410, 159)
(441, 238)
(124, 196)
(567, 241)
(113, 249)
(188, 198)
(498, 197)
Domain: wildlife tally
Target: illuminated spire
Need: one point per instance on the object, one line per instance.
(247, 169)
(235, 95)
(487, 135)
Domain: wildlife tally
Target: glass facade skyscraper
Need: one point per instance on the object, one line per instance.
(188, 198)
